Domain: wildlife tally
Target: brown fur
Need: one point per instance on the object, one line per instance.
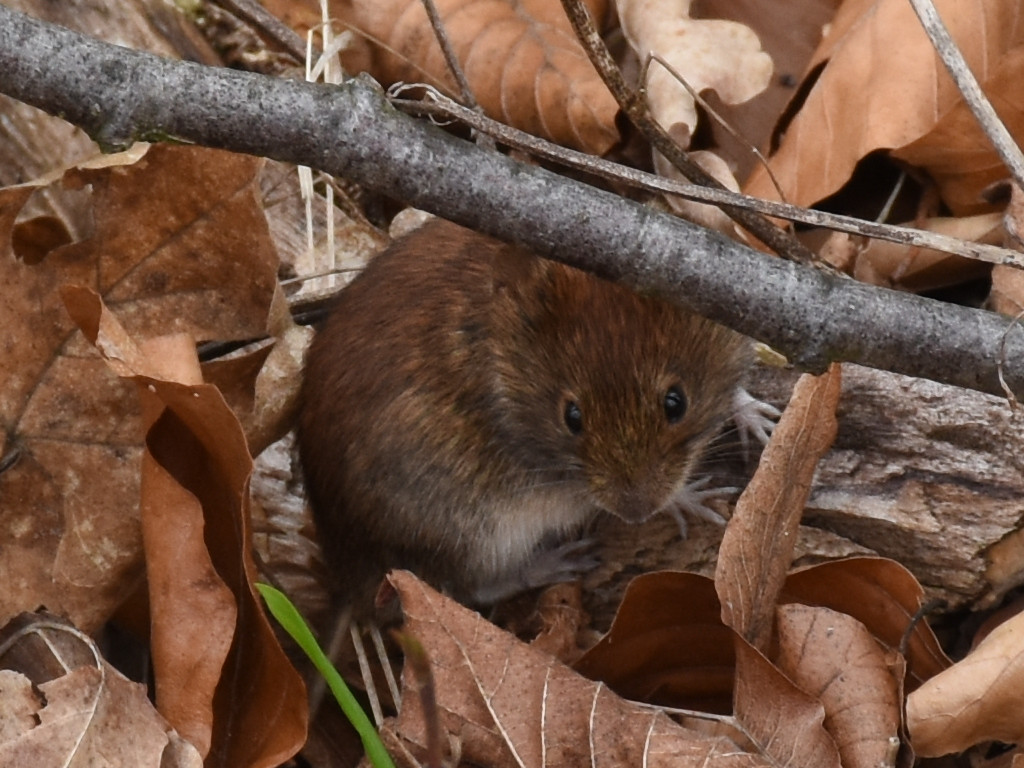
(432, 433)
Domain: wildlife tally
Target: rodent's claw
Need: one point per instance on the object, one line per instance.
(753, 418)
(565, 562)
(691, 501)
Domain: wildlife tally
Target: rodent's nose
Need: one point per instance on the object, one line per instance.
(633, 505)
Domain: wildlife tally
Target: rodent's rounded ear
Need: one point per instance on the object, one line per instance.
(516, 272)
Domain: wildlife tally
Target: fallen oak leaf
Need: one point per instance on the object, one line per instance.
(919, 115)
(169, 226)
(786, 722)
(709, 54)
(883, 596)
(668, 645)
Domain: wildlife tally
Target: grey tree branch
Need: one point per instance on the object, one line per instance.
(436, 104)
(119, 95)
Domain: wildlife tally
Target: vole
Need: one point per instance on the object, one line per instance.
(467, 402)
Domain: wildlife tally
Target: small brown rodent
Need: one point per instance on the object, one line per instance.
(467, 402)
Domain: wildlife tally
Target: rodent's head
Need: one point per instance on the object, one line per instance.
(619, 394)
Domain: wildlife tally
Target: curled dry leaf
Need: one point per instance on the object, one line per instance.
(179, 243)
(62, 704)
(669, 646)
(975, 700)
(709, 54)
(221, 676)
(834, 658)
(512, 705)
(757, 549)
(521, 58)
(919, 114)
(894, 265)
(883, 596)
(787, 722)
(833, 687)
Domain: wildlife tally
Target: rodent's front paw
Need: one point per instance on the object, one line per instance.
(754, 419)
(692, 501)
(565, 562)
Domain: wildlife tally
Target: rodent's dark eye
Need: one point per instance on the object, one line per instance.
(573, 417)
(675, 405)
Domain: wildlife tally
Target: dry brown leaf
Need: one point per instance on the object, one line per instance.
(62, 704)
(709, 54)
(975, 700)
(883, 596)
(179, 244)
(785, 721)
(221, 674)
(789, 31)
(521, 58)
(757, 549)
(877, 83)
(667, 645)
(955, 152)
(896, 265)
(834, 658)
(1007, 294)
(511, 705)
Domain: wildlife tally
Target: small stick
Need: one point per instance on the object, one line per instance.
(385, 663)
(717, 117)
(441, 33)
(975, 99)
(367, 675)
(450, 58)
(440, 105)
(633, 105)
(251, 12)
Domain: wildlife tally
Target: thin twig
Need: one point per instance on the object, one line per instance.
(654, 56)
(633, 105)
(440, 105)
(350, 130)
(967, 84)
(454, 66)
(254, 14)
(450, 59)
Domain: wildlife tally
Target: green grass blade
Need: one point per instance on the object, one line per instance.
(289, 617)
